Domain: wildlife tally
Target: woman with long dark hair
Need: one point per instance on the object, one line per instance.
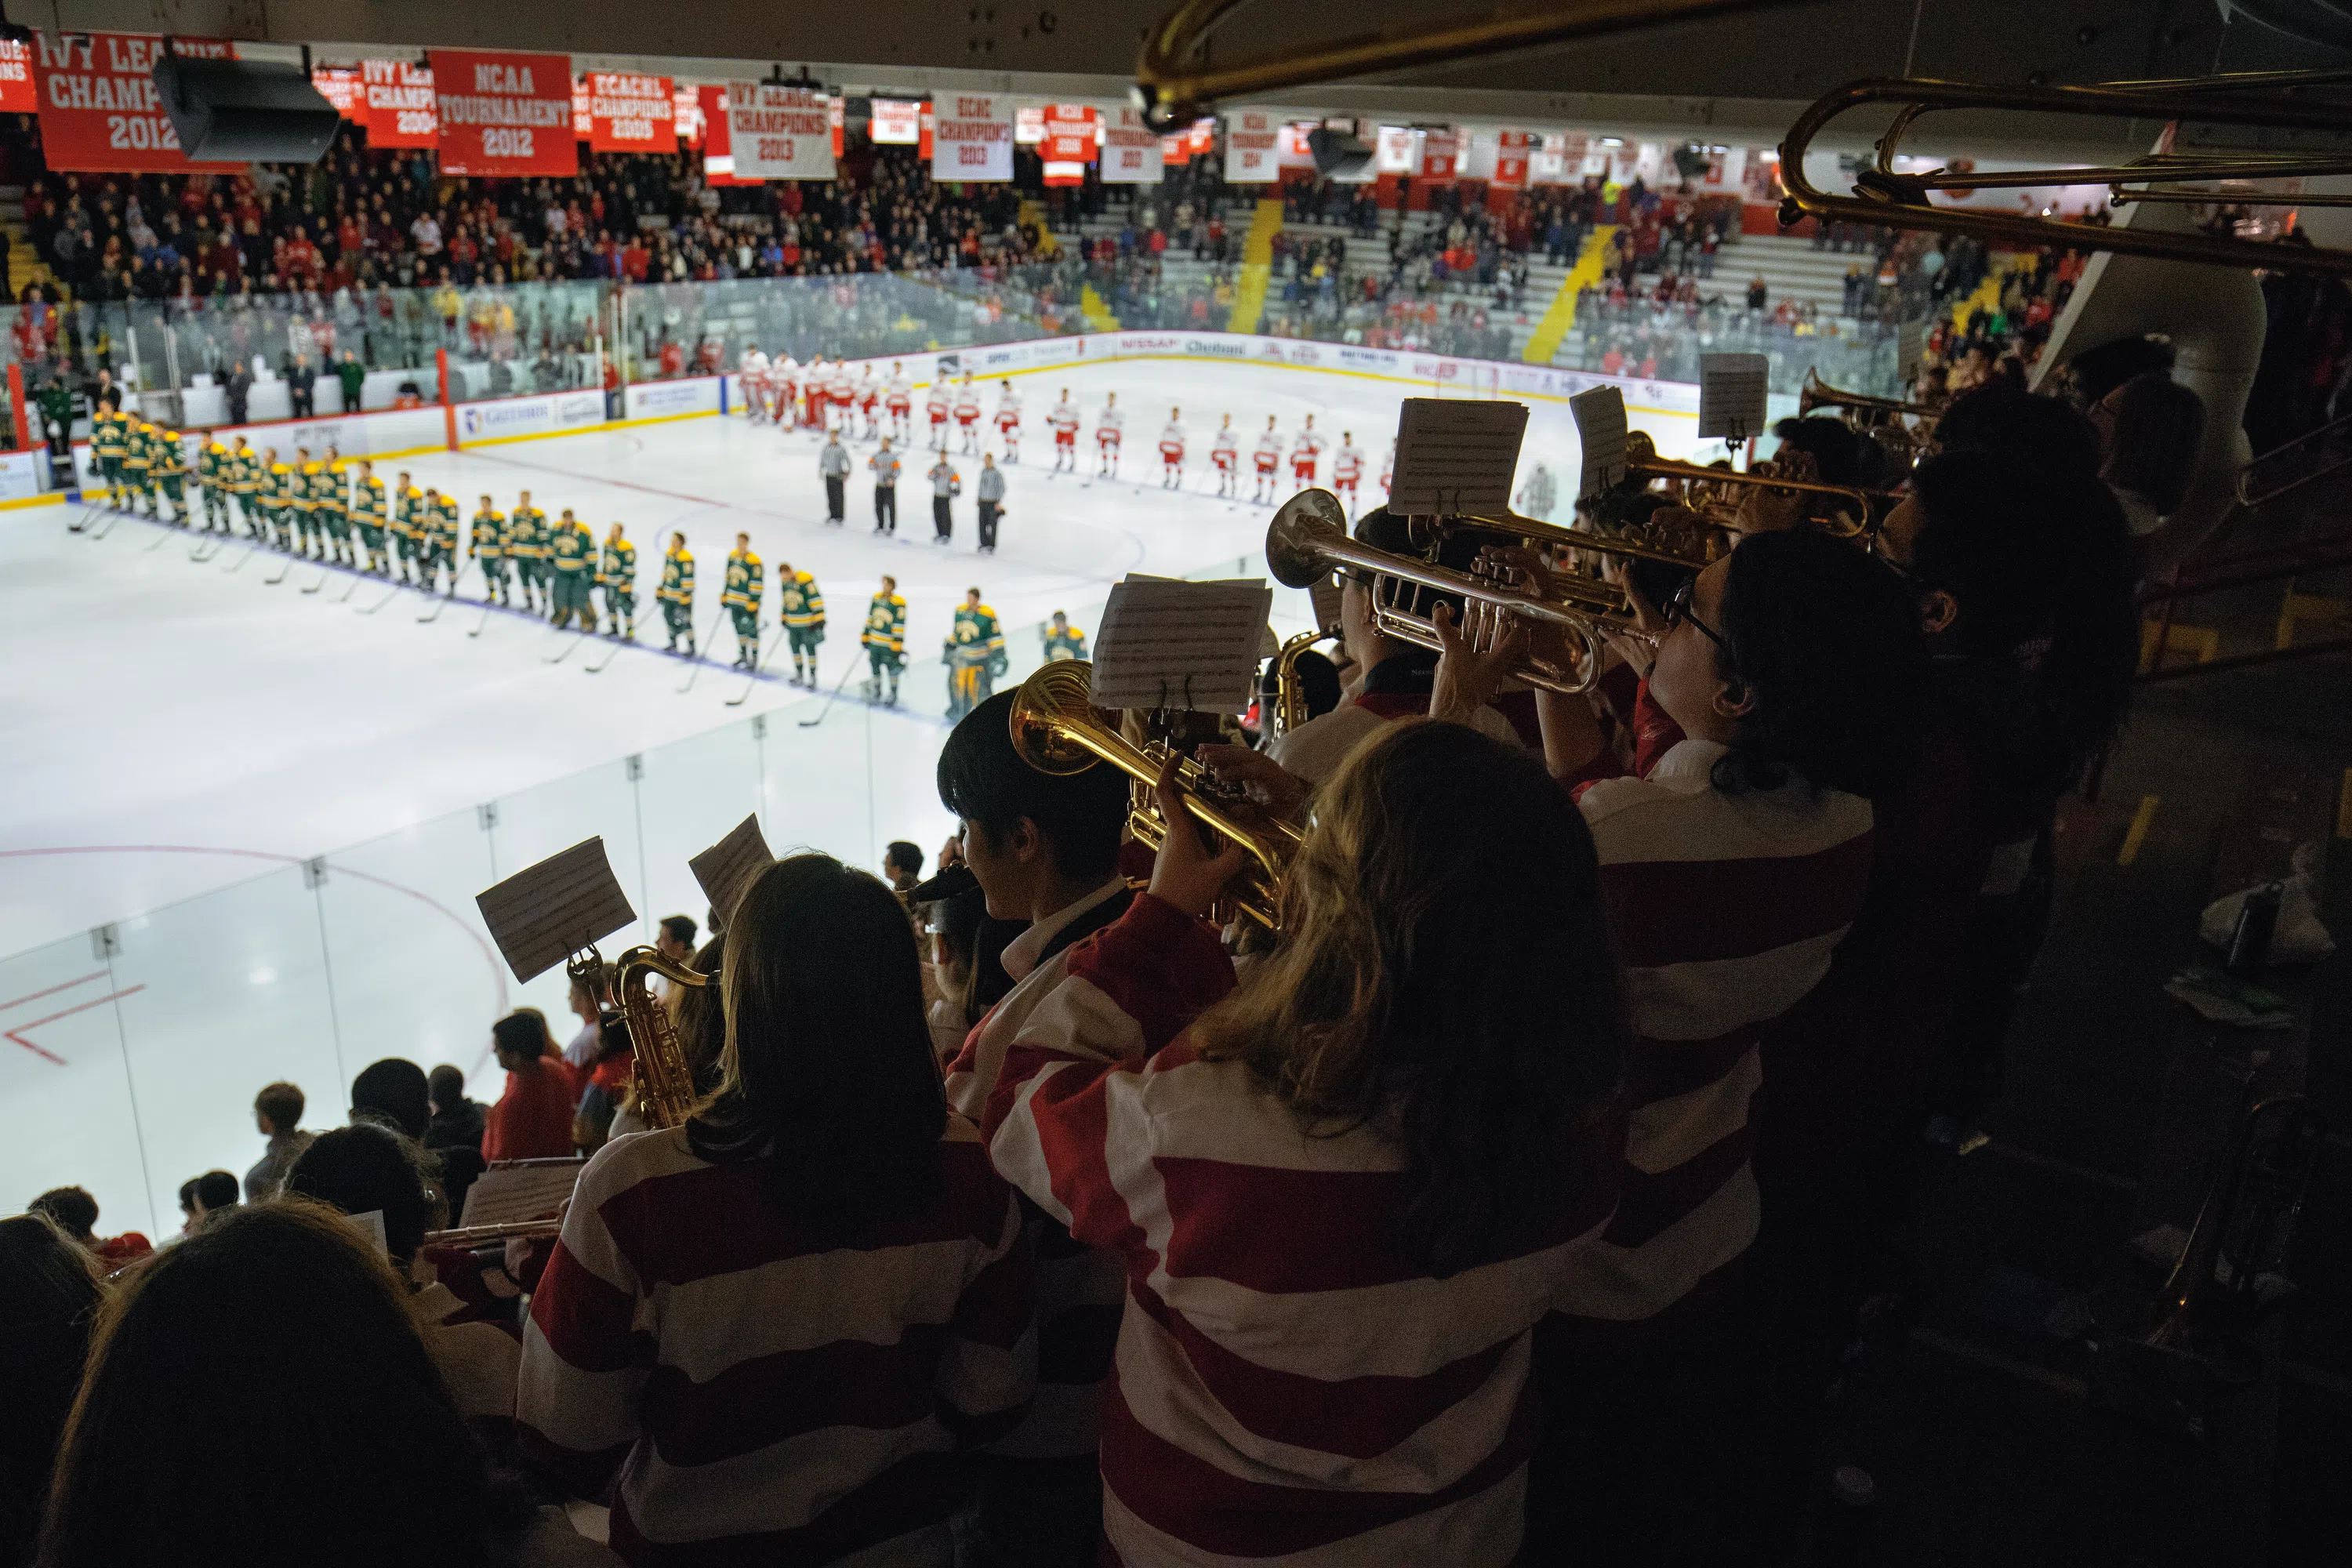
(768, 1331)
(1348, 1192)
(50, 1297)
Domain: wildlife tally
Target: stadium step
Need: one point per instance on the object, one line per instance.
(1560, 314)
(1097, 313)
(1257, 265)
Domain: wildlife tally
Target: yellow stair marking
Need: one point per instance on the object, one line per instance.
(1258, 266)
(1097, 313)
(1560, 314)
(2138, 833)
(2307, 607)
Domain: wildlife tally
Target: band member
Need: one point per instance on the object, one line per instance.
(745, 584)
(617, 575)
(801, 607)
(1063, 641)
(245, 483)
(967, 413)
(1225, 457)
(1268, 459)
(936, 403)
(487, 545)
(898, 400)
(946, 484)
(530, 546)
(1110, 427)
(885, 640)
(1305, 454)
(975, 656)
(676, 595)
(368, 503)
(832, 467)
(992, 503)
(1171, 451)
(572, 552)
(884, 464)
(1008, 423)
(869, 401)
(1346, 470)
(212, 479)
(1064, 422)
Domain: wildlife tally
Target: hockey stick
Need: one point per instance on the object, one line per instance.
(753, 678)
(440, 603)
(559, 655)
(610, 654)
(282, 571)
(320, 583)
(701, 654)
(812, 723)
(482, 620)
(350, 591)
(162, 534)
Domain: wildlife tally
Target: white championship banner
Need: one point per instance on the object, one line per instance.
(972, 137)
(779, 132)
(1131, 152)
(1253, 147)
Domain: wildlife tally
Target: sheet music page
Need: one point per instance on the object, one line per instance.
(1732, 389)
(1601, 428)
(1177, 645)
(520, 1189)
(726, 868)
(1455, 456)
(545, 913)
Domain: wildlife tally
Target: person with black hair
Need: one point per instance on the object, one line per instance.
(277, 1113)
(1818, 450)
(532, 1120)
(2149, 430)
(1395, 683)
(214, 1193)
(1044, 848)
(675, 940)
(368, 1169)
(393, 1093)
(75, 1214)
(902, 864)
(1794, 674)
(276, 1346)
(768, 1331)
(456, 1121)
(49, 1296)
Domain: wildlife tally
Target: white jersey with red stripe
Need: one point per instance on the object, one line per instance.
(869, 392)
(1065, 422)
(899, 396)
(967, 405)
(752, 366)
(1388, 468)
(1110, 427)
(1346, 467)
(841, 384)
(1008, 417)
(1226, 451)
(1269, 452)
(935, 403)
(1171, 442)
(1304, 453)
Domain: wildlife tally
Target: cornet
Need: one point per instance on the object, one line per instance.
(1309, 538)
(1056, 729)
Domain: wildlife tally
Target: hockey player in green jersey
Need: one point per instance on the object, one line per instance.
(802, 608)
(305, 505)
(277, 499)
(171, 473)
(138, 468)
(110, 439)
(448, 538)
(368, 503)
(334, 508)
(1062, 640)
(675, 594)
(244, 468)
(975, 656)
(885, 639)
(213, 467)
(745, 584)
(616, 578)
(427, 524)
(529, 545)
(488, 546)
(410, 527)
(571, 551)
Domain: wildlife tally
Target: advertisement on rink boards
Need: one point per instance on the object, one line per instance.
(1131, 154)
(398, 104)
(22, 474)
(1253, 147)
(972, 137)
(504, 113)
(779, 132)
(671, 399)
(630, 113)
(520, 418)
(100, 110)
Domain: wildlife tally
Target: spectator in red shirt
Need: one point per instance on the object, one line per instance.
(75, 1212)
(532, 1120)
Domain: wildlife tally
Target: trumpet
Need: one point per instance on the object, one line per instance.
(1872, 411)
(1701, 490)
(1056, 729)
(1309, 537)
(1289, 697)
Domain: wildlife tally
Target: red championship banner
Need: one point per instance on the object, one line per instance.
(504, 113)
(717, 143)
(836, 119)
(16, 94)
(582, 127)
(100, 110)
(630, 113)
(399, 104)
(342, 88)
(686, 108)
(1069, 144)
(1512, 150)
(931, 121)
(1441, 154)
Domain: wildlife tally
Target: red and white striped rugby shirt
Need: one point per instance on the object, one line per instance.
(1724, 910)
(763, 1394)
(1285, 1386)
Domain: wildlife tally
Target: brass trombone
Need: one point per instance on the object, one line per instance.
(1309, 538)
(1883, 196)
(1056, 729)
(1172, 89)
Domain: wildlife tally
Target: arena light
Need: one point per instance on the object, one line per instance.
(1338, 154)
(244, 111)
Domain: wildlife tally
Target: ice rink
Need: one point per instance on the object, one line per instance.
(272, 800)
